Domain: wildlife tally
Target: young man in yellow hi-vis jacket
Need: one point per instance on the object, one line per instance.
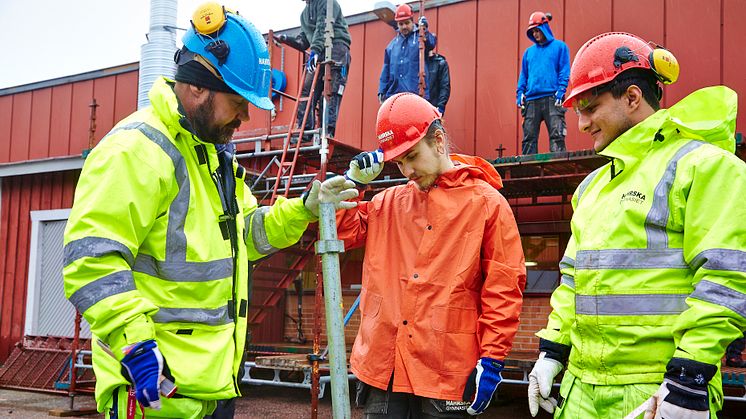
(159, 240)
(654, 277)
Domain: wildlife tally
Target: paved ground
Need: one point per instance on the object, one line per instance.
(279, 403)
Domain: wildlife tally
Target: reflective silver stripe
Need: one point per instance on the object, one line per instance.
(721, 260)
(657, 219)
(630, 259)
(184, 271)
(567, 262)
(95, 247)
(93, 292)
(721, 295)
(259, 232)
(208, 316)
(176, 243)
(588, 179)
(568, 280)
(630, 304)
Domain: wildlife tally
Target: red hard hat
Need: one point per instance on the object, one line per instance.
(403, 120)
(605, 56)
(403, 12)
(537, 18)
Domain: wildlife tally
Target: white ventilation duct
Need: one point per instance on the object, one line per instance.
(157, 56)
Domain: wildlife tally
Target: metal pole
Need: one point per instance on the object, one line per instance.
(329, 247)
(422, 51)
(73, 356)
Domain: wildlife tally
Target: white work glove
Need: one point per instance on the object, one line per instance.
(540, 382)
(683, 393)
(365, 167)
(558, 102)
(335, 190)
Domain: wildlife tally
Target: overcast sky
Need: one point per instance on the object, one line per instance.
(46, 39)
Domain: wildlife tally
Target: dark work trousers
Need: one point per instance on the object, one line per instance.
(387, 404)
(340, 67)
(538, 110)
(735, 349)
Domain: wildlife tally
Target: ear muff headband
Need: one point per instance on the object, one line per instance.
(665, 65)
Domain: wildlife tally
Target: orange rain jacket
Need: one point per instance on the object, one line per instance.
(443, 279)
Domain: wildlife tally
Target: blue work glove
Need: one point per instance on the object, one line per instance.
(142, 366)
(423, 22)
(365, 167)
(482, 384)
(313, 60)
(683, 393)
(558, 100)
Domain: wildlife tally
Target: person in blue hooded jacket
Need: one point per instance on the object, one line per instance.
(401, 62)
(541, 86)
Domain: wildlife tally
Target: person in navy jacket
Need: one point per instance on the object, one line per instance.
(401, 65)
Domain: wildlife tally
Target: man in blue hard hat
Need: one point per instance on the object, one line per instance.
(160, 238)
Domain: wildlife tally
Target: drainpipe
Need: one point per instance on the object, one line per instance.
(157, 55)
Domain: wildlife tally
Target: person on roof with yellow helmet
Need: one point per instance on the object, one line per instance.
(653, 281)
(159, 239)
(443, 273)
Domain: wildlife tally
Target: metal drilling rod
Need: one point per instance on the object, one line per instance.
(329, 247)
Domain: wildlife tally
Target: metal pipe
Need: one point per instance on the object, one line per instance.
(274, 152)
(261, 138)
(329, 247)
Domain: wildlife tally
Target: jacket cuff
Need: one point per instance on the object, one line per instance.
(555, 351)
(690, 373)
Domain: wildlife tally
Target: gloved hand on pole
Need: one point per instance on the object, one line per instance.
(683, 393)
(422, 21)
(312, 62)
(365, 167)
(482, 384)
(143, 366)
(336, 190)
(540, 382)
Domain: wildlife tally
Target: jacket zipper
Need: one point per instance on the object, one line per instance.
(229, 217)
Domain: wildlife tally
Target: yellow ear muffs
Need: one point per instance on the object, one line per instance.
(665, 65)
(208, 18)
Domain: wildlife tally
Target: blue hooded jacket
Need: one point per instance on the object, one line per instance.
(545, 69)
(401, 64)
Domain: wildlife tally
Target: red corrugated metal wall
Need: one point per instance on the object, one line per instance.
(20, 196)
(484, 41)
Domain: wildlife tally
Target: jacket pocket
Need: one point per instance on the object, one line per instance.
(201, 361)
(456, 338)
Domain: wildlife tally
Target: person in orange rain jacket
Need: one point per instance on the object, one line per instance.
(443, 274)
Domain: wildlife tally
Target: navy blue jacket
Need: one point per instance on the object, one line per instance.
(401, 64)
(545, 69)
(438, 81)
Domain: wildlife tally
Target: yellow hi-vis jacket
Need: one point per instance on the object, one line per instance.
(656, 265)
(152, 250)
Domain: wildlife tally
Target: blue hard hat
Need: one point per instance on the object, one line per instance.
(241, 58)
(279, 81)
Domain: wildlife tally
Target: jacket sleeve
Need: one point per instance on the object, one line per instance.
(521, 90)
(564, 71)
(714, 245)
(504, 271)
(562, 301)
(352, 224)
(102, 238)
(268, 229)
(317, 42)
(445, 85)
(383, 84)
(430, 40)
